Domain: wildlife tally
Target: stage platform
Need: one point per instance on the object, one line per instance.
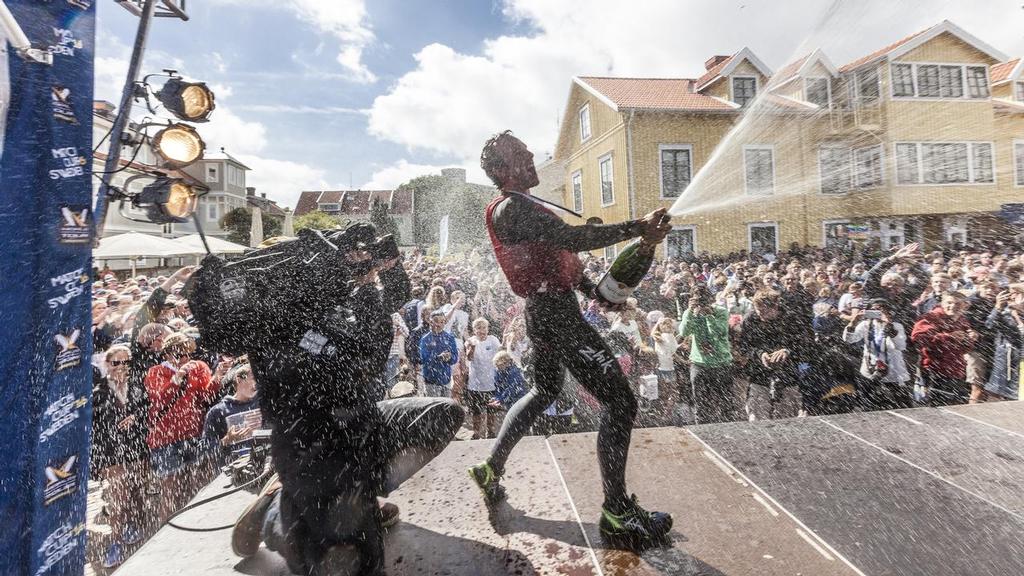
(928, 492)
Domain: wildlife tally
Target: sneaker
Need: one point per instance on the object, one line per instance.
(131, 535)
(114, 555)
(487, 480)
(245, 538)
(388, 515)
(635, 528)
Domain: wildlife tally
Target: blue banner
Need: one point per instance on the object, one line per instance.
(45, 267)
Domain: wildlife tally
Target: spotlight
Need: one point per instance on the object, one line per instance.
(178, 145)
(167, 200)
(189, 101)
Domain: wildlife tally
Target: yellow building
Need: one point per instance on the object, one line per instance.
(922, 140)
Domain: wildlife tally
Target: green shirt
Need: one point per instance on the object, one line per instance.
(710, 331)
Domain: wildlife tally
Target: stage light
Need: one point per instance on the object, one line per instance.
(167, 200)
(178, 145)
(190, 101)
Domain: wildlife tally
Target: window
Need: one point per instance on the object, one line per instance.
(744, 89)
(676, 168)
(836, 170)
(939, 81)
(977, 82)
(585, 122)
(944, 163)
(903, 80)
(607, 190)
(1018, 91)
(212, 212)
(681, 243)
(816, 91)
(951, 82)
(610, 252)
(759, 169)
(329, 207)
(867, 167)
(907, 168)
(763, 238)
(577, 191)
(1018, 162)
(928, 81)
(212, 173)
(867, 85)
(837, 233)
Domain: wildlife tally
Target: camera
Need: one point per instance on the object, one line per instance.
(251, 461)
(872, 315)
(878, 370)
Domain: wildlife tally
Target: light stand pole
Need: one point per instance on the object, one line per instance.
(145, 10)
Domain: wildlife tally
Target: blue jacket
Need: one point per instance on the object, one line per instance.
(509, 386)
(435, 370)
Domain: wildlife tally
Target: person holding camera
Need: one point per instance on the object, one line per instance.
(706, 326)
(883, 371)
(336, 449)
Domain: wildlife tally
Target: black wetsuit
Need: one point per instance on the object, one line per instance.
(561, 338)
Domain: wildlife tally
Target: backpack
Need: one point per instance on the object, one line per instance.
(410, 314)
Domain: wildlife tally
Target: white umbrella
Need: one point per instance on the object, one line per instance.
(256, 230)
(288, 228)
(138, 245)
(217, 246)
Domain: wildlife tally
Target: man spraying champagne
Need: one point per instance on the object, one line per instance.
(537, 252)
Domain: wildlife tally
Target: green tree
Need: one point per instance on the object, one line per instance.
(435, 196)
(238, 223)
(316, 220)
(383, 221)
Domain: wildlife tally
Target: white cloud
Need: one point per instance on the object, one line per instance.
(283, 180)
(451, 102)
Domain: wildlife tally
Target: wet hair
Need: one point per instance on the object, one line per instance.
(491, 159)
(766, 299)
(501, 357)
(955, 295)
(179, 341)
(117, 348)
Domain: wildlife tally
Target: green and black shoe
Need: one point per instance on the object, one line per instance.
(487, 480)
(634, 528)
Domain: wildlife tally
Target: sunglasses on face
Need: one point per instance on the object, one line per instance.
(119, 362)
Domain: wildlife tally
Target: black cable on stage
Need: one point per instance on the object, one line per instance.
(255, 481)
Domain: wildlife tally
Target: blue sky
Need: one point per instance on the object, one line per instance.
(315, 94)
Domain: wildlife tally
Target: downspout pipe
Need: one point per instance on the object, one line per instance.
(629, 165)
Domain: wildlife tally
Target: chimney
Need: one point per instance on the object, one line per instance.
(250, 191)
(715, 61)
(263, 195)
(103, 108)
(455, 174)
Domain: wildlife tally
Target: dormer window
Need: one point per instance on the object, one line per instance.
(816, 91)
(585, 123)
(744, 89)
(329, 207)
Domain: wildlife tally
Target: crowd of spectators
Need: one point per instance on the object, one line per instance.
(805, 331)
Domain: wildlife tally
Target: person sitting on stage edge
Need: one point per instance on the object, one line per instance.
(537, 252)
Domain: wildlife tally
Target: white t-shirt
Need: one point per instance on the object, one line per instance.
(848, 301)
(458, 324)
(481, 367)
(665, 346)
(631, 329)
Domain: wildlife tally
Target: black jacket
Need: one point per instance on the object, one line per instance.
(758, 336)
(110, 444)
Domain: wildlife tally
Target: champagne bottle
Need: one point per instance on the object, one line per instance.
(626, 272)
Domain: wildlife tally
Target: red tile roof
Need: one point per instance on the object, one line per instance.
(355, 202)
(654, 93)
(881, 52)
(788, 71)
(1002, 71)
(712, 72)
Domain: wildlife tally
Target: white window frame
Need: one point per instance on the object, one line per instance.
(854, 185)
(746, 185)
(661, 172)
(610, 252)
(821, 175)
(856, 84)
(750, 229)
(1018, 90)
(584, 113)
(216, 172)
(574, 179)
(214, 209)
(963, 80)
(1018, 169)
(693, 231)
(920, 163)
(732, 91)
(828, 87)
(611, 178)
